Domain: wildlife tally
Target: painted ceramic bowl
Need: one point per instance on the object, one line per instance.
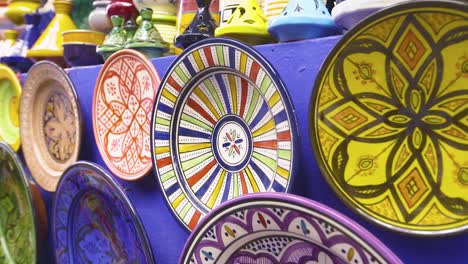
(16, 10)
(123, 8)
(23, 219)
(281, 228)
(83, 36)
(77, 55)
(166, 7)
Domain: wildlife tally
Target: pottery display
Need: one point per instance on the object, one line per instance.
(94, 221)
(388, 132)
(23, 219)
(349, 13)
(16, 10)
(281, 228)
(10, 92)
(303, 19)
(50, 122)
(49, 45)
(166, 26)
(248, 24)
(122, 103)
(80, 13)
(115, 40)
(98, 19)
(159, 7)
(202, 26)
(223, 126)
(123, 8)
(147, 39)
(186, 14)
(79, 47)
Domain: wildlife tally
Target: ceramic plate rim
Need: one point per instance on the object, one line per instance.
(6, 73)
(291, 200)
(105, 177)
(312, 120)
(149, 66)
(281, 87)
(42, 170)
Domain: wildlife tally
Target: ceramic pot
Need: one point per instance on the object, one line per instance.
(80, 12)
(166, 25)
(115, 40)
(98, 19)
(123, 8)
(273, 8)
(79, 47)
(159, 7)
(18, 8)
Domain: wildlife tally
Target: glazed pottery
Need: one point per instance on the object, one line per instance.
(130, 29)
(23, 219)
(160, 7)
(79, 47)
(10, 92)
(49, 45)
(147, 39)
(273, 8)
(94, 221)
(223, 126)
(98, 19)
(388, 131)
(226, 9)
(115, 40)
(166, 26)
(16, 10)
(247, 23)
(281, 228)
(303, 19)
(8, 42)
(50, 123)
(347, 14)
(83, 36)
(123, 8)
(122, 103)
(201, 27)
(186, 13)
(80, 12)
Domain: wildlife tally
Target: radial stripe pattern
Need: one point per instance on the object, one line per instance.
(223, 126)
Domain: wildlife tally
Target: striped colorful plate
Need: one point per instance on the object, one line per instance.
(223, 126)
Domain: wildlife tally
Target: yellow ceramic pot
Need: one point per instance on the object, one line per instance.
(83, 36)
(18, 8)
(49, 45)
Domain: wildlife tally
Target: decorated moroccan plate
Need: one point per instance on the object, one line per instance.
(281, 228)
(10, 92)
(22, 213)
(122, 106)
(389, 123)
(50, 122)
(94, 221)
(223, 126)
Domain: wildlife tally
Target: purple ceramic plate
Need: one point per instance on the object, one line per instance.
(281, 228)
(94, 221)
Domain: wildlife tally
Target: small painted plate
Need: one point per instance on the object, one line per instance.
(122, 106)
(389, 123)
(50, 122)
(223, 126)
(281, 228)
(20, 223)
(10, 92)
(94, 221)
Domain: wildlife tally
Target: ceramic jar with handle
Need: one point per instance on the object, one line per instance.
(98, 19)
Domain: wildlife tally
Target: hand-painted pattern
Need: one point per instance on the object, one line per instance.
(122, 105)
(93, 224)
(17, 229)
(223, 127)
(59, 127)
(264, 230)
(390, 118)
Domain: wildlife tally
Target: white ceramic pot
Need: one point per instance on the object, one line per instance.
(162, 7)
(98, 19)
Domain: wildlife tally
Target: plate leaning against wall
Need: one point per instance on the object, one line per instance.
(281, 228)
(223, 126)
(10, 92)
(389, 120)
(122, 106)
(50, 123)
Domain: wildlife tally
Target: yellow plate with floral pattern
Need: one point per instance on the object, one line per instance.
(389, 123)
(10, 92)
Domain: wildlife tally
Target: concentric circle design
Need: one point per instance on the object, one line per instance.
(389, 118)
(223, 126)
(10, 92)
(122, 105)
(281, 228)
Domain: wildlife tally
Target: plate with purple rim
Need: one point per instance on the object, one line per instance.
(94, 221)
(281, 228)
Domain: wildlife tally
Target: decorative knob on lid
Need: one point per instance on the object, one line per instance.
(115, 40)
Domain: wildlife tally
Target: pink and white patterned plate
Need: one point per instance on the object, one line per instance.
(122, 106)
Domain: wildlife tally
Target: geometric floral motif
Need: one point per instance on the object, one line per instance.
(406, 165)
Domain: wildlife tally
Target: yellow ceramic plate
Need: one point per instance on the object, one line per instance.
(389, 122)
(10, 92)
